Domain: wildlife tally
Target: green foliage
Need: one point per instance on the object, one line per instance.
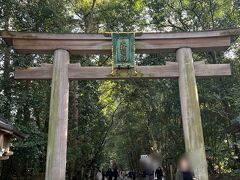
(41, 16)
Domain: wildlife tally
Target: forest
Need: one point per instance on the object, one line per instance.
(115, 122)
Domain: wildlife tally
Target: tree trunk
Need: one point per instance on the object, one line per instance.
(7, 64)
(73, 142)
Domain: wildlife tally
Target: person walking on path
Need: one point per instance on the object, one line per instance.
(184, 171)
(159, 173)
(133, 175)
(99, 175)
(109, 174)
(115, 174)
(103, 174)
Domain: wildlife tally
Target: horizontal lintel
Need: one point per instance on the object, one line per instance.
(170, 70)
(100, 44)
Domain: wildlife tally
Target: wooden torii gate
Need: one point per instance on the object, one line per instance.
(62, 45)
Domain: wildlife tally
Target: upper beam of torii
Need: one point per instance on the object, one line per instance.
(100, 44)
(61, 71)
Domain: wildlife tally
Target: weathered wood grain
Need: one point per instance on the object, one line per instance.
(170, 70)
(105, 46)
(99, 44)
(90, 36)
(58, 119)
(42, 72)
(191, 118)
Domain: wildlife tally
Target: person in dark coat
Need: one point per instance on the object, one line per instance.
(159, 173)
(133, 175)
(130, 174)
(103, 174)
(115, 174)
(109, 174)
(184, 171)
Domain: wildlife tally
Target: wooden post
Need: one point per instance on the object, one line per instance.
(191, 118)
(58, 121)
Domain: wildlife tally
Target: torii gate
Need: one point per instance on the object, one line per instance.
(61, 71)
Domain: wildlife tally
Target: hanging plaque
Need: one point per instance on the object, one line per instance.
(123, 50)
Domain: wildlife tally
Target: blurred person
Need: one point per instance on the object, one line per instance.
(149, 174)
(115, 174)
(133, 175)
(99, 175)
(130, 174)
(109, 174)
(159, 173)
(103, 174)
(149, 168)
(184, 171)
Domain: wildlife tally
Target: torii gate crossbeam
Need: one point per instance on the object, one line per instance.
(62, 45)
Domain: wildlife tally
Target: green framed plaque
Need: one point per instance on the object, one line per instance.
(123, 50)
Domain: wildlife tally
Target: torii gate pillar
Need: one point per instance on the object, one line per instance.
(58, 120)
(191, 118)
